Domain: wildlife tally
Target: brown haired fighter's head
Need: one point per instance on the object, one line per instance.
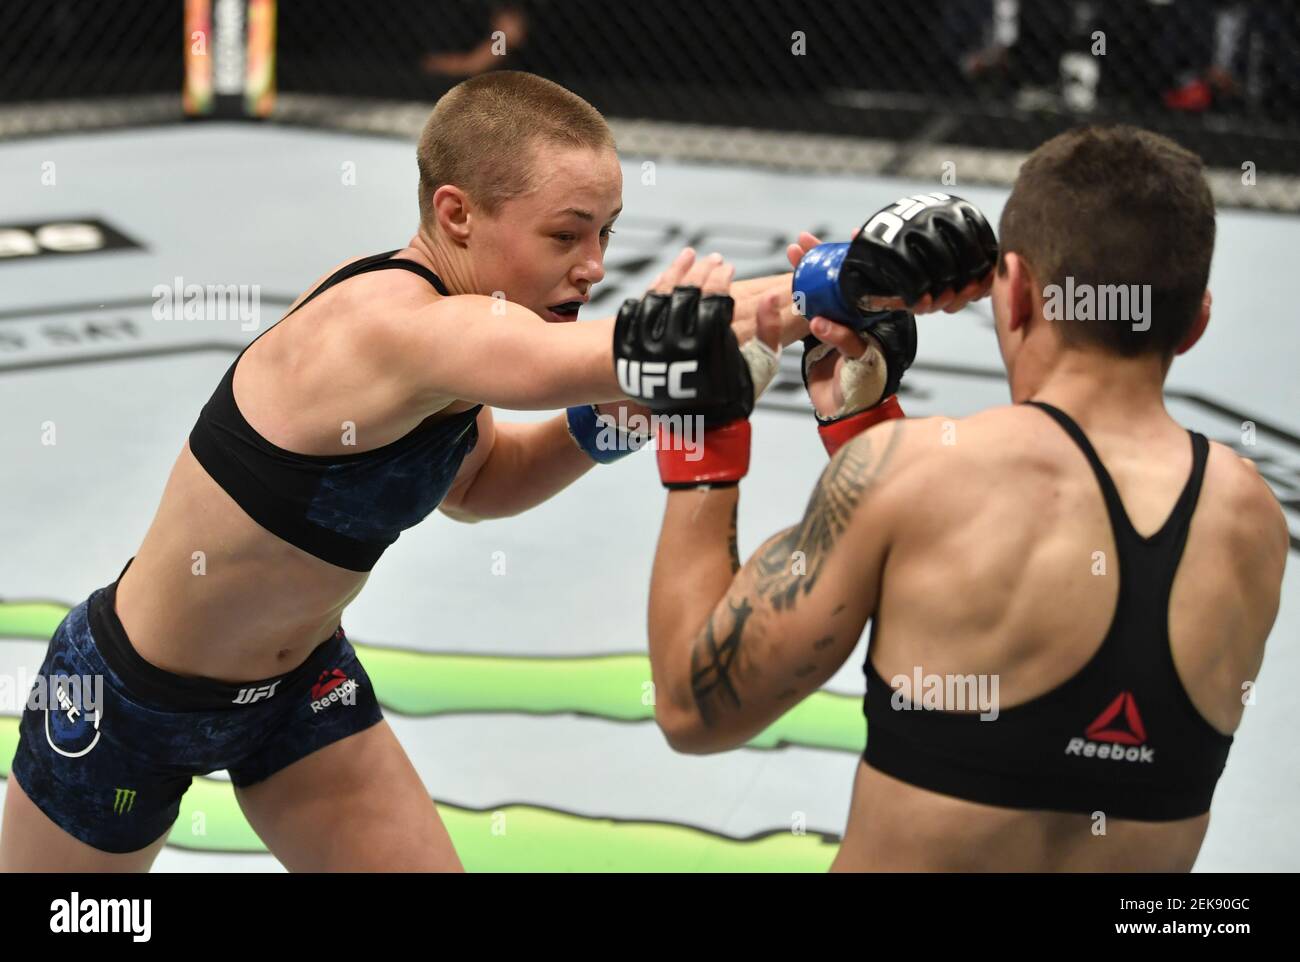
(519, 186)
(1106, 239)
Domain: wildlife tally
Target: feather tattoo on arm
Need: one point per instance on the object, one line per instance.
(784, 569)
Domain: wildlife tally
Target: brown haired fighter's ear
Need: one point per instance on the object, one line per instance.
(1020, 294)
(1199, 325)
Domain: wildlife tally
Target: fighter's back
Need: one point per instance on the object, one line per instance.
(1012, 572)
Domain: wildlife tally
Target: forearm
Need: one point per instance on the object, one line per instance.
(695, 563)
(529, 463)
(580, 371)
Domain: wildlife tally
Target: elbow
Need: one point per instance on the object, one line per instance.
(470, 507)
(460, 515)
(473, 514)
(683, 731)
(456, 509)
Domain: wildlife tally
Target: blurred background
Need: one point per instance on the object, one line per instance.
(893, 76)
(251, 146)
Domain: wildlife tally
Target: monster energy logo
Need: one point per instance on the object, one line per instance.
(123, 800)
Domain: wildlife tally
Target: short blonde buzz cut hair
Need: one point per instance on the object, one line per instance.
(481, 134)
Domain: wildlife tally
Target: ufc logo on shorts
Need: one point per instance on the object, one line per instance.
(892, 220)
(247, 696)
(642, 378)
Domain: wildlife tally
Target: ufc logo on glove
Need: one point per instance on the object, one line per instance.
(893, 219)
(640, 379)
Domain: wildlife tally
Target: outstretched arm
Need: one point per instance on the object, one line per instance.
(514, 467)
(492, 351)
(497, 353)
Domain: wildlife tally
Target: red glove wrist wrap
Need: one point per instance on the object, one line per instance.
(720, 456)
(835, 434)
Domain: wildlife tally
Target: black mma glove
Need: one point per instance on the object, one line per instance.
(678, 356)
(924, 244)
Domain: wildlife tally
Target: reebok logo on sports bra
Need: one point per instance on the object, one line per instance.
(1114, 737)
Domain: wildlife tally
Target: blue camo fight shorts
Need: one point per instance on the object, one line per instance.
(109, 743)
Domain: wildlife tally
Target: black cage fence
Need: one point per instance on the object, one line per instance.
(889, 86)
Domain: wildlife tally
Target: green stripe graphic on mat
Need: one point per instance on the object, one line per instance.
(518, 838)
(423, 683)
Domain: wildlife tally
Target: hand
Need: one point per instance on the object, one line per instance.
(792, 325)
(852, 376)
(824, 377)
(688, 271)
(674, 349)
(935, 251)
(949, 301)
(744, 318)
(794, 252)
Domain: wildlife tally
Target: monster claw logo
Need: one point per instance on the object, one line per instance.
(123, 800)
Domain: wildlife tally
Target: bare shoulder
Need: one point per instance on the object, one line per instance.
(379, 321)
(398, 308)
(1246, 507)
(420, 331)
(321, 280)
(372, 298)
(944, 447)
(906, 457)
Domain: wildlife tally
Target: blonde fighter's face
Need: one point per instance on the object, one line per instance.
(545, 249)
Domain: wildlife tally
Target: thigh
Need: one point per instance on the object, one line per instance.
(355, 805)
(30, 842)
(93, 772)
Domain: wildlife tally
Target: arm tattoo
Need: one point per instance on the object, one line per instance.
(712, 662)
(780, 575)
(715, 659)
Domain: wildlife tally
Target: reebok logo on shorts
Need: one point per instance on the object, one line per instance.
(332, 686)
(1114, 737)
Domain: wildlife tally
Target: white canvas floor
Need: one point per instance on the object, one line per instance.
(234, 204)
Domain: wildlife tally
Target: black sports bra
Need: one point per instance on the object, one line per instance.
(1120, 737)
(344, 509)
